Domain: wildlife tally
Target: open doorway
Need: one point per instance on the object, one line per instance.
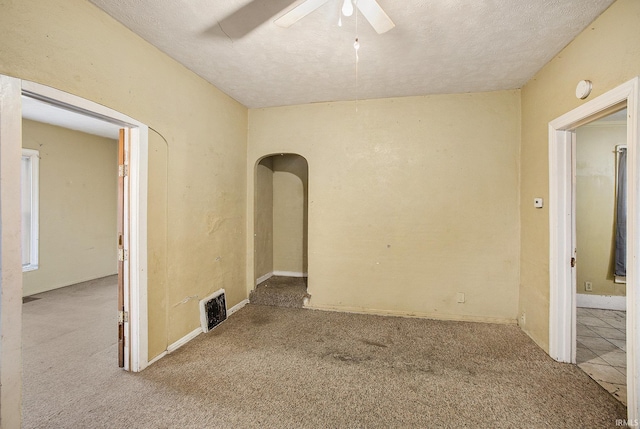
(563, 256)
(72, 274)
(281, 231)
(600, 172)
(11, 91)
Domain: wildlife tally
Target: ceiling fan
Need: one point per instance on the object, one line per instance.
(370, 9)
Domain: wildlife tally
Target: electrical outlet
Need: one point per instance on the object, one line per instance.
(523, 319)
(460, 297)
(588, 286)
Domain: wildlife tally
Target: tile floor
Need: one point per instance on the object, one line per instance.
(601, 348)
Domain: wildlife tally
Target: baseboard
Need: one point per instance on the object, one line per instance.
(237, 307)
(191, 335)
(414, 314)
(604, 302)
(184, 340)
(289, 274)
(264, 278)
(64, 284)
(281, 274)
(157, 358)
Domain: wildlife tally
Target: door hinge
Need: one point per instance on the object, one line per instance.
(123, 255)
(573, 262)
(123, 317)
(123, 170)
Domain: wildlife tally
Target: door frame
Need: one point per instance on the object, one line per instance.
(136, 290)
(562, 296)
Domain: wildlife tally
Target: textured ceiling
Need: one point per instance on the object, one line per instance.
(437, 46)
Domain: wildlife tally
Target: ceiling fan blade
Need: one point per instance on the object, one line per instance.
(249, 17)
(298, 12)
(376, 16)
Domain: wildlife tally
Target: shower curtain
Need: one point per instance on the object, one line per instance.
(621, 216)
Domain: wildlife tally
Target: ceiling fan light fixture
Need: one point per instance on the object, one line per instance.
(369, 9)
(347, 8)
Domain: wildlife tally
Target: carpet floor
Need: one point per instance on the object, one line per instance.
(280, 291)
(273, 367)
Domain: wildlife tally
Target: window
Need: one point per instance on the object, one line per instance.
(29, 189)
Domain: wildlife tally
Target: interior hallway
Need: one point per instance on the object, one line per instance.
(282, 367)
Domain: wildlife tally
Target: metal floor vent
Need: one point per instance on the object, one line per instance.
(213, 310)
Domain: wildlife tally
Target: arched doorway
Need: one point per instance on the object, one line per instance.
(281, 230)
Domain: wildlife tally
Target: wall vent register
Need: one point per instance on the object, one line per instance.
(213, 310)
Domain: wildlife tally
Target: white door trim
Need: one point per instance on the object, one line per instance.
(562, 297)
(136, 287)
(10, 254)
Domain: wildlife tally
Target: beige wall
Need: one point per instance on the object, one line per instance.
(411, 200)
(78, 206)
(595, 206)
(264, 218)
(607, 53)
(197, 147)
(290, 214)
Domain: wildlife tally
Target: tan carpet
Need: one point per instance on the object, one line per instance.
(293, 368)
(281, 291)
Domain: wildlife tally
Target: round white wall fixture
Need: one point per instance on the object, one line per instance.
(583, 89)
